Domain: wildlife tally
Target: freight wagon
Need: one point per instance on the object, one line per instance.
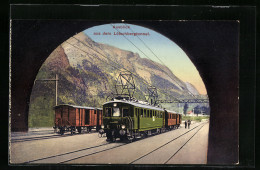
(76, 118)
(173, 120)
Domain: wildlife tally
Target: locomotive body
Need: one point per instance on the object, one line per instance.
(129, 120)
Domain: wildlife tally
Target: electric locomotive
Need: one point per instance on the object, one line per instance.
(131, 119)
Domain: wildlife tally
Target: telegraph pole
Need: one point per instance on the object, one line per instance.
(56, 82)
(56, 87)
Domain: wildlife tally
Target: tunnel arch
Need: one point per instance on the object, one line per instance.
(186, 63)
(211, 45)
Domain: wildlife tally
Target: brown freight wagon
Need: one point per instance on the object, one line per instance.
(172, 119)
(77, 118)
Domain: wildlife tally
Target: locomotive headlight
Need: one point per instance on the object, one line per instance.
(123, 126)
(102, 126)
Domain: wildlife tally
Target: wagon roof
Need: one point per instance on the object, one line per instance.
(135, 104)
(170, 111)
(74, 106)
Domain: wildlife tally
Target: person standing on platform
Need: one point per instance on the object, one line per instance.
(185, 124)
(189, 122)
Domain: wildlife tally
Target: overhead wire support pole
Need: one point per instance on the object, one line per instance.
(56, 86)
(126, 82)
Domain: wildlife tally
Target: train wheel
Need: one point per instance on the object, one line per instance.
(129, 139)
(112, 139)
(79, 129)
(72, 131)
(122, 138)
(144, 134)
(89, 129)
(98, 128)
(61, 131)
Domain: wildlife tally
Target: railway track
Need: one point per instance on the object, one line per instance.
(35, 138)
(69, 156)
(86, 152)
(26, 139)
(198, 128)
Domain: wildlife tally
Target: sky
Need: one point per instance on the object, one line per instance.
(162, 49)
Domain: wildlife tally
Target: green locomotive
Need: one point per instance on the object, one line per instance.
(131, 119)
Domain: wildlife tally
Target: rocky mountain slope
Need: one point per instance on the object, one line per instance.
(87, 74)
(192, 88)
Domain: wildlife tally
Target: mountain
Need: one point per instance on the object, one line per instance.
(192, 88)
(87, 73)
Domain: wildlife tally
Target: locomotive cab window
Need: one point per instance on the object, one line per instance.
(126, 112)
(108, 112)
(116, 112)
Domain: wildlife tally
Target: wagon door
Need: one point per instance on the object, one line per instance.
(100, 117)
(65, 115)
(96, 117)
(87, 116)
(77, 117)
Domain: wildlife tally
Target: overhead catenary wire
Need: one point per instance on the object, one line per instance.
(150, 58)
(144, 81)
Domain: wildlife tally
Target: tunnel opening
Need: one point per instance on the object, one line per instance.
(72, 71)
